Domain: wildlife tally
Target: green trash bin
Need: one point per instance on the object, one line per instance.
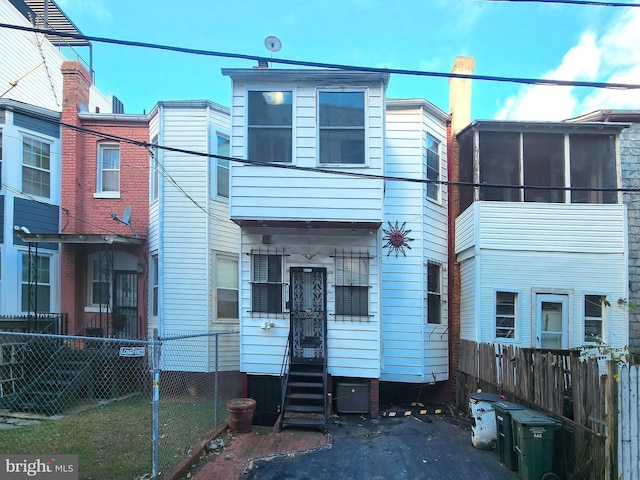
(506, 449)
(534, 434)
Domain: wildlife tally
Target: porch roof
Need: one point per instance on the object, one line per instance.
(78, 238)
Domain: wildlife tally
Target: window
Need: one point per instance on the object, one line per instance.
(99, 290)
(500, 165)
(226, 288)
(270, 125)
(36, 167)
(433, 167)
(352, 286)
(155, 169)
(505, 314)
(155, 275)
(108, 168)
(38, 270)
(593, 316)
(434, 293)
(0, 158)
(267, 286)
(222, 172)
(593, 165)
(543, 166)
(341, 127)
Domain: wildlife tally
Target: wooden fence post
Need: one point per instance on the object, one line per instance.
(611, 416)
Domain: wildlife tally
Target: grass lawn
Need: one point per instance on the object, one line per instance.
(113, 441)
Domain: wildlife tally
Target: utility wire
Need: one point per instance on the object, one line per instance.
(285, 166)
(333, 66)
(574, 2)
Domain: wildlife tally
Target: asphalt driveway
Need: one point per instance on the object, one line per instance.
(421, 447)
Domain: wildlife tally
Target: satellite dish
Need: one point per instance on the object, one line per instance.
(273, 43)
(126, 215)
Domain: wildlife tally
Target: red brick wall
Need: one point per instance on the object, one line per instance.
(81, 212)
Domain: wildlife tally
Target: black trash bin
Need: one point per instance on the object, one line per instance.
(506, 449)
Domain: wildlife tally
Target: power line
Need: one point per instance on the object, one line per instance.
(285, 166)
(332, 66)
(574, 2)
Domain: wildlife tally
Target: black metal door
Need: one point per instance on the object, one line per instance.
(308, 314)
(125, 304)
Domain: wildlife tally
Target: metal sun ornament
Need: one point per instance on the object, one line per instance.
(396, 238)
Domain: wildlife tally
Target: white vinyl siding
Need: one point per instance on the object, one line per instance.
(534, 249)
(260, 192)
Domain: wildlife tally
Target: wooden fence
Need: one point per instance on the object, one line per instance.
(629, 422)
(562, 385)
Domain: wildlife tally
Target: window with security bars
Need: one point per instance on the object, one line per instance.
(36, 280)
(506, 314)
(352, 285)
(593, 318)
(267, 286)
(434, 294)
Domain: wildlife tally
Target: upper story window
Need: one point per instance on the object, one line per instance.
(538, 167)
(222, 169)
(155, 170)
(108, 168)
(434, 293)
(270, 126)
(593, 317)
(433, 167)
(0, 159)
(155, 278)
(36, 167)
(341, 127)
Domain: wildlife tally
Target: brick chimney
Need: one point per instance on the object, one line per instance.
(460, 94)
(460, 110)
(76, 85)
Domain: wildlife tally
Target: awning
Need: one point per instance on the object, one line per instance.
(79, 238)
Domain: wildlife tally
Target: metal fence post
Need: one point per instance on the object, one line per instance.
(155, 402)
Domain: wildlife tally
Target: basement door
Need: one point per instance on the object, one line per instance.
(308, 314)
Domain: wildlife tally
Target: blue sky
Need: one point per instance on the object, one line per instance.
(512, 39)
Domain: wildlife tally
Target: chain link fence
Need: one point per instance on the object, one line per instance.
(128, 408)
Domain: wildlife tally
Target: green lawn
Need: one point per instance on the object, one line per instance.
(114, 441)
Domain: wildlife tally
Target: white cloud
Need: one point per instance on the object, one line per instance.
(612, 57)
(95, 8)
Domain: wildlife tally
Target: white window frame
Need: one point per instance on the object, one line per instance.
(91, 304)
(217, 256)
(349, 278)
(100, 192)
(154, 281)
(601, 318)
(438, 171)
(258, 281)
(248, 127)
(364, 127)
(435, 294)
(217, 164)
(24, 282)
(35, 168)
(513, 315)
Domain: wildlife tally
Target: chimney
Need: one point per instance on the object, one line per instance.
(460, 94)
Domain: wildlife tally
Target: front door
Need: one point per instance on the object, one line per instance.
(125, 304)
(308, 314)
(552, 321)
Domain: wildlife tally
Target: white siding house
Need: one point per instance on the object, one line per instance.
(193, 246)
(320, 279)
(543, 264)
